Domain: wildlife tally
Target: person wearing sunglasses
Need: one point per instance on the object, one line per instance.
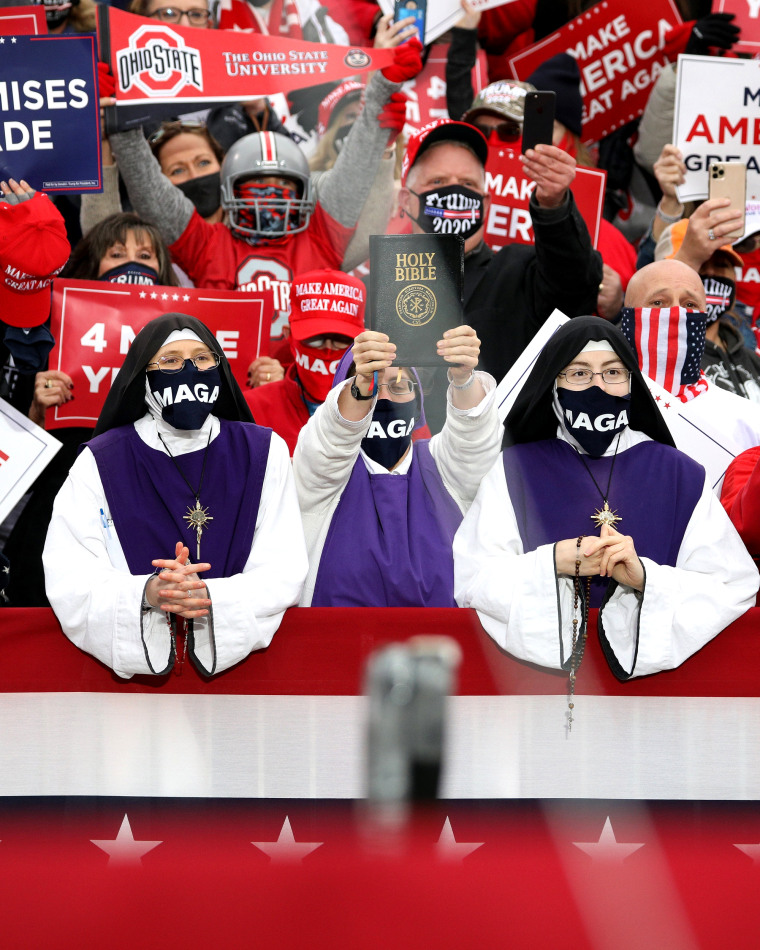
(177, 530)
(379, 509)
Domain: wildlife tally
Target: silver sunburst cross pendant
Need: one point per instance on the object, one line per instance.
(197, 518)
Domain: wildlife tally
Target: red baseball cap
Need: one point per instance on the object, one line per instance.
(33, 250)
(439, 131)
(347, 92)
(326, 302)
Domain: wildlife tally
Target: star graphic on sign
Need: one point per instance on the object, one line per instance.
(286, 848)
(13, 39)
(186, 296)
(667, 405)
(175, 296)
(607, 848)
(751, 850)
(123, 850)
(658, 398)
(449, 849)
(143, 295)
(164, 296)
(154, 295)
(2, 40)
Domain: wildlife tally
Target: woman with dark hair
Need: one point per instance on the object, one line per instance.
(586, 448)
(120, 240)
(175, 451)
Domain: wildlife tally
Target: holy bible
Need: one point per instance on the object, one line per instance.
(416, 283)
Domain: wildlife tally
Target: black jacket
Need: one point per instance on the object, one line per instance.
(510, 294)
(735, 368)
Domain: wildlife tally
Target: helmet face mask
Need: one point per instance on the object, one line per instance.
(266, 210)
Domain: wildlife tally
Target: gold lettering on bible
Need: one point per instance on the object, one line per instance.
(415, 266)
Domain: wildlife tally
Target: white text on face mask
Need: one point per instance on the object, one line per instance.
(396, 430)
(199, 393)
(602, 423)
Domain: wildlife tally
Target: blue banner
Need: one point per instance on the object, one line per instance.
(49, 112)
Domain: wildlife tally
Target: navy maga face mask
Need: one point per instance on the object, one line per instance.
(186, 397)
(390, 431)
(594, 417)
(132, 272)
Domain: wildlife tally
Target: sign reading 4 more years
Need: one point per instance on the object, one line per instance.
(717, 119)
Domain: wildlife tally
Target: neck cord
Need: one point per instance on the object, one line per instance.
(195, 494)
(605, 495)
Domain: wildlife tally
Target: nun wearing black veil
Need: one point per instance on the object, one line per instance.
(177, 529)
(590, 504)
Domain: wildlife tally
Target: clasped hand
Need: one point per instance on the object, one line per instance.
(610, 555)
(172, 589)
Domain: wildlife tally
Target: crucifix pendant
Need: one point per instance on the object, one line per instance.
(605, 516)
(197, 518)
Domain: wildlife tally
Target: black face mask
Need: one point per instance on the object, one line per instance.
(204, 192)
(451, 210)
(390, 431)
(340, 136)
(29, 347)
(186, 397)
(54, 17)
(594, 417)
(720, 293)
(132, 272)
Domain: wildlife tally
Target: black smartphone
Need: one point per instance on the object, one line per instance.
(403, 9)
(538, 123)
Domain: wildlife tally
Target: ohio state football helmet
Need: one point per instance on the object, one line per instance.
(266, 211)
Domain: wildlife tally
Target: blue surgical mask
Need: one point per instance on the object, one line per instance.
(187, 397)
(593, 417)
(131, 272)
(390, 431)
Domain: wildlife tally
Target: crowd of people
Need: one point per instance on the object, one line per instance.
(196, 513)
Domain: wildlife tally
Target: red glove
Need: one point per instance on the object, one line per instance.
(106, 81)
(407, 61)
(393, 116)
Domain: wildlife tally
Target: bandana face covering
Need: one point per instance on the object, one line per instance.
(668, 342)
(271, 207)
(720, 293)
(316, 368)
(594, 417)
(130, 273)
(186, 397)
(451, 210)
(390, 431)
(205, 193)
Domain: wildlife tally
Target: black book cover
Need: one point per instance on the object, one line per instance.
(416, 283)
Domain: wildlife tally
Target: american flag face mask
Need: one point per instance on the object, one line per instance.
(668, 341)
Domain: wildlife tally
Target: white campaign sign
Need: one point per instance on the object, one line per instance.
(717, 119)
(25, 450)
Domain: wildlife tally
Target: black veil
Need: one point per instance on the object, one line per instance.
(532, 417)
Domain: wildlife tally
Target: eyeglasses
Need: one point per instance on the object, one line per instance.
(584, 377)
(399, 387)
(175, 364)
(505, 131)
(195, 17)
(170, 129)
(327, 343)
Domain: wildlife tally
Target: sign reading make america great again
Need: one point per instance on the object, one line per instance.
(619, 48)
(164, 63)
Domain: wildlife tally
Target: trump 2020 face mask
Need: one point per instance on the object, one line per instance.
(451, 210)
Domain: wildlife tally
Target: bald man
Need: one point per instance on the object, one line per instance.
(664, 321)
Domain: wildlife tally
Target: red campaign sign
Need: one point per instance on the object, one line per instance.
(619, 48)
(508, 220)
(427, 92)
(22, 21)
(747, 18)
(94, 324)
(162, 62)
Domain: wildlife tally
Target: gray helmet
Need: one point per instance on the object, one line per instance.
(265, 216)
